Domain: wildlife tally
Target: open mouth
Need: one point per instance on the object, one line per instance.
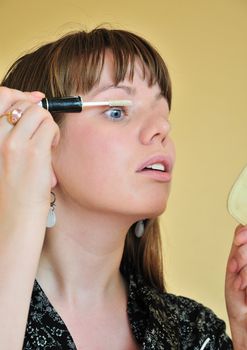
(156, 166)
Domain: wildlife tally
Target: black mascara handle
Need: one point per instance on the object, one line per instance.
(62, 104)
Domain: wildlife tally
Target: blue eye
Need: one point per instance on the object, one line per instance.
(115, 113)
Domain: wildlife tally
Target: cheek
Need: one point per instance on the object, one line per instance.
(94, 155)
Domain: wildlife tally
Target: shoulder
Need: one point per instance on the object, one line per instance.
(175, 321)
(187, 309)
(197, 324)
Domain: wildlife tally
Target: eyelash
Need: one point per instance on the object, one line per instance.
(123, 110)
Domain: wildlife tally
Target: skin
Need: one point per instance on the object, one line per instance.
(92, 170)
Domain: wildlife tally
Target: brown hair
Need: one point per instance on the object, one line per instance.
(73, 64)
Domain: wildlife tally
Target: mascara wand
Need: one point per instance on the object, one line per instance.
(75, 104)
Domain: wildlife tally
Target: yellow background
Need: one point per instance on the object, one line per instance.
(204, 44)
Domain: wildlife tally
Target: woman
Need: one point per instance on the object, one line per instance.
(93, 280)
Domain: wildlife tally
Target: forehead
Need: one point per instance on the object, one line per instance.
(136, 75)
(111, 63)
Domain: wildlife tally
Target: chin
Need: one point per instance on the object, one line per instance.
(158, 204)
(154, 211)
(159, 212)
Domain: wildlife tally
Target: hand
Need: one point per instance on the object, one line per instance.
(236, 288)
(26, 174)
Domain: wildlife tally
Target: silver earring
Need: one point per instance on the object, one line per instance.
(139, 229)
(51, 219)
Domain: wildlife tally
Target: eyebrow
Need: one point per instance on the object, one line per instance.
(129, 90)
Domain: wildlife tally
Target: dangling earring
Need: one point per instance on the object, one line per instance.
(51, 219)
(139, 229)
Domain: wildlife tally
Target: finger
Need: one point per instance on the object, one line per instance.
(47, 135)
(239, 249)
(241, 236)
(243, 275)
(5, 127)
(232, 268)
(232, 277)
(8, 97)
(236, 240)
(32, 117)
(240, 256)
(237, 262)
(8, 129)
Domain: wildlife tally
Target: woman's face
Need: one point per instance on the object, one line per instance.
(101, 160)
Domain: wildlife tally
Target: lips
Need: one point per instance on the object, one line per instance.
(157, 168)
(164, 162)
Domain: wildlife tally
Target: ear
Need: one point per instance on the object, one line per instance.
(53, 179)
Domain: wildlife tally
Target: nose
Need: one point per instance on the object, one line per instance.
(155, 128)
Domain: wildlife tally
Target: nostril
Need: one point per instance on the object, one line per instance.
(155, 130)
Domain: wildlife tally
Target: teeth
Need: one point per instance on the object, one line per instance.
(156, 166)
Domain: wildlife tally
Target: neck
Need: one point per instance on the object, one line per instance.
(81, 256)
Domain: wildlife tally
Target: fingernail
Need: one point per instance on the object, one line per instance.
(37, 94)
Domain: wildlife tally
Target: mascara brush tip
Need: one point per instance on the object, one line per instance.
(119, 103)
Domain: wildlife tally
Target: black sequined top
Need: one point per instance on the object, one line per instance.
(159, 321)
